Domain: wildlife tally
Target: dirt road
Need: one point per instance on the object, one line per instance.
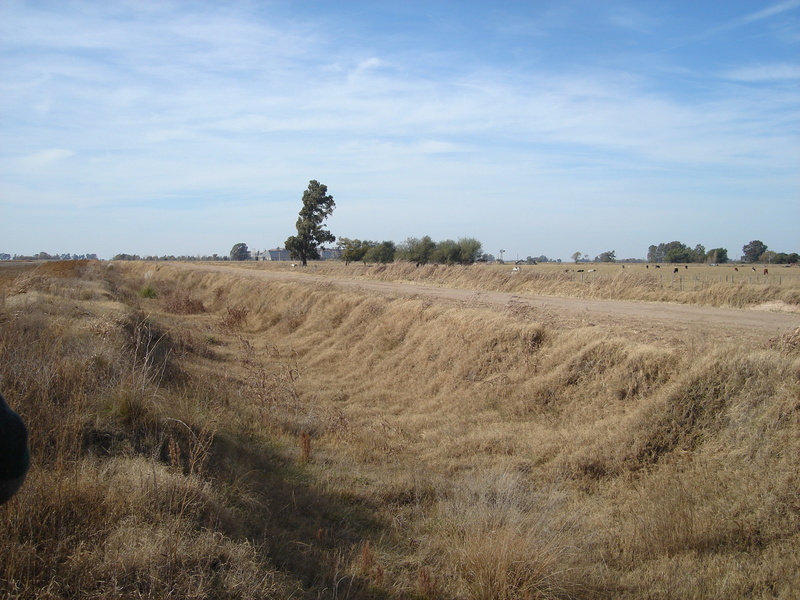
(648, 320)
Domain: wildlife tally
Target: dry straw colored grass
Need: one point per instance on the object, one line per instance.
(333, 444)
(729, 285)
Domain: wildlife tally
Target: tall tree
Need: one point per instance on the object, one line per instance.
(240, 252)
(317, 206)
(754, 250)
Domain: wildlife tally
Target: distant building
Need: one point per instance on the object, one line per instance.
(283, 254)
(273, 254)
(330, 253)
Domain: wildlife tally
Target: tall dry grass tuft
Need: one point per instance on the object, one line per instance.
(500, 539)
(234, 318)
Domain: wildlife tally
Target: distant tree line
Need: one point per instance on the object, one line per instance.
(318, 205)
(610, 256)
(46, 256)
(166, 257)
(677, 252)
(420, 251)
(755, 251)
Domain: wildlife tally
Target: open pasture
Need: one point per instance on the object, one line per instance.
(733, 285)
(693, 274)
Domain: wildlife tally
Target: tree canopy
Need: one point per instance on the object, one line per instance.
(353, 250)
(676, 252)
(240, 252)
(419, 251)
(382, 253)
(753, 251)
(465, 251)
(717, 255)
(609, 256)
(318, 205)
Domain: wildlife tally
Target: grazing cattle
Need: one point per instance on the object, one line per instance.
(766, 271)
(686, 267)
(736, 269)
(675, 270)
(591, 270)
(580, 271)
(658, 266)
(14, 454)
(515, 269)
(754, 269)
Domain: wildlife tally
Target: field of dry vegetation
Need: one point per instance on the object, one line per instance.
(704, 285)
(201, 434)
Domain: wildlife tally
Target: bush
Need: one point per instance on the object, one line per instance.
(148, 292)
(183, 304)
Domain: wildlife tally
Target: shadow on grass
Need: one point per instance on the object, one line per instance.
(312, 537)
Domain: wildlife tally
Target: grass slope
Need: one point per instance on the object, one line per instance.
(204, 435)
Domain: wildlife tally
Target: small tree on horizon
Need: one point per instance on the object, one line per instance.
(353, 250)
(754, 250)
(609, 256)
(380, 253)
(717, 255)
(318, 205)
(418, 251)
(470, 250)
(576, 256)
(240, 252)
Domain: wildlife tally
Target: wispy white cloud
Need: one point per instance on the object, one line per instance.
(755, 17)
(365, 65)
(770, 11)
(43, 158)
(771, 72)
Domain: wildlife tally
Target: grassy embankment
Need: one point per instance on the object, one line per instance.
(729, 286)
(207, 435)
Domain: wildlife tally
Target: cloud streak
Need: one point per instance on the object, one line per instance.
(770, 11)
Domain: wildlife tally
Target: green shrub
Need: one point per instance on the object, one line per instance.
(148, 292)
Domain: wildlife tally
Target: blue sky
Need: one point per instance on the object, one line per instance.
(539, 127)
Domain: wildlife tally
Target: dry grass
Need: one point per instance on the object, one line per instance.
(721, 286)
(333, 444)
